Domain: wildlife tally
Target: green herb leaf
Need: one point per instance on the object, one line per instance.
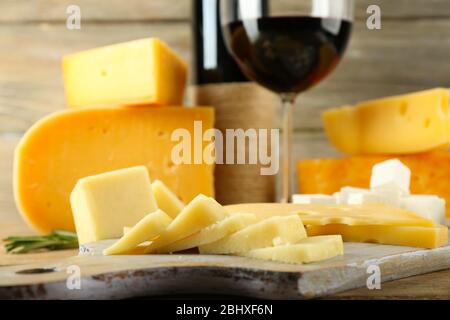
(57, 240)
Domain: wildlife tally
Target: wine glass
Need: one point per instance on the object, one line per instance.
(287, 47)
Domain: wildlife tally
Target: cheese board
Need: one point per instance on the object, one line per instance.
(119, 277)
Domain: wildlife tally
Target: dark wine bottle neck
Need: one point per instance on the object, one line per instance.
(212, 61)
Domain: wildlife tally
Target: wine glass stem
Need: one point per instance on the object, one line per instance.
(285, 184)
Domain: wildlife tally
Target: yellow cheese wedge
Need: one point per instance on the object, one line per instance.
(139, 72)
(198, 214)
(212, 233)
(269, 232)
(166, 199)
(405, 124)
(311, 249)
(103, 204)
(148, 228)
(67, 146)
(423, 237)
(318, 214)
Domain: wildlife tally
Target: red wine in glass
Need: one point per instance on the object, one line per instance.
(288, 54)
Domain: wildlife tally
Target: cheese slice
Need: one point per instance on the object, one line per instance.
(140, 72)
(103, 204)
(198, 214)
(269, 232)
(430, 174)
(67, 146)
(319, 214)
(148, 228)
(423, 237)
(416, 122)
(311, 249)
(166, 199)
(212, 233)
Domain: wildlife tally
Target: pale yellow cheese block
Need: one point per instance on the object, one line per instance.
(67, 146)
(317, 214)
(269, 232)
(148, 228)
(201, 212)
(405, 124)
(311, 249)
(422, 237)
(212, 233)
(103, 204)
(139, 72)
(166, 199)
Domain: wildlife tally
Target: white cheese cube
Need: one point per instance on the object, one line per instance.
(390, 175)
(313, 199)
(362, 198)
(390, 197)
(343, 196)
(427, 206)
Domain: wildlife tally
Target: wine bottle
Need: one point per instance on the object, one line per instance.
(239, 104)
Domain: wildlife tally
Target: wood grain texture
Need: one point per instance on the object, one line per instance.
(25, 11)
(378, 63)
(116, 277)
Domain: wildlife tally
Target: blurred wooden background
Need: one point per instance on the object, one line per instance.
(410, 52)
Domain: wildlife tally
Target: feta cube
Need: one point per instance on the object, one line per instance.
(313, 199)
(391, 175)
(343, 196)
(427, 206)
(362, 198)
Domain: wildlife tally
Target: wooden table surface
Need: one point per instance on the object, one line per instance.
(409, 53)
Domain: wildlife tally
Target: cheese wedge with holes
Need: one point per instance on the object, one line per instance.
(422, 237)
(201, 212)
(430, 174)
(311, 249)
(405, 124)
(140, 72)
(212, 233)
(317, 214)
(266, 233)
(67, 146)
(148, 228)
(166, 199)
(103, 204)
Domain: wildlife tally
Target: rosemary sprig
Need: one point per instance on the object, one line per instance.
(57, 240)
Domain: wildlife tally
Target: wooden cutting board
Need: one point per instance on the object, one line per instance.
(117, 277)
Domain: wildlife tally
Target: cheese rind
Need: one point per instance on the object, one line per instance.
(422, 237)
(405, 124)
(139, 72)
(103, 204)
(146, 229)
(67, 146)
(166, 199)
(316, 214)
(430, 174)
(311, 249)
(269, 232)
(212, 233)
(201, 212)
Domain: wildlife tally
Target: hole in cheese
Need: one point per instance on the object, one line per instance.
(403, 108)
(427, 123)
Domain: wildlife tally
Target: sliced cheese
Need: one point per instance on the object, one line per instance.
(430, 174)
(140, 72)
(199, 213)
(212, 233)
(269, 232)
(317, 214)
(416, 122)
(311, 249)
(67, 146)
(148, 228)
(423, 237)
(166, 199)
(103, 204)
